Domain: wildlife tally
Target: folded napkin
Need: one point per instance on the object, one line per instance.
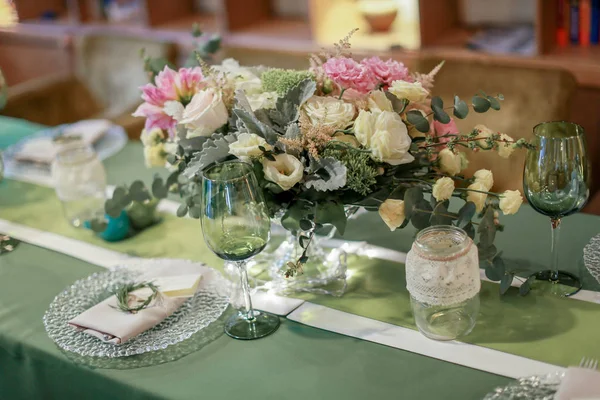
(106, 322)
(579, 384)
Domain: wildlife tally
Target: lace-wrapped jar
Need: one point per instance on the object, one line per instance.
(442, 276)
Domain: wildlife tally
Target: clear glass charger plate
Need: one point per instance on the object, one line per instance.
(542, 387)
(206, 306)
(591, 257)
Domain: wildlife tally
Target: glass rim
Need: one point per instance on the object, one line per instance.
(237, 161)
(580, 130)
(76, 146)
(424, 248)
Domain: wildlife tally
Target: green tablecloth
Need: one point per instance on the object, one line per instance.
(298, 360)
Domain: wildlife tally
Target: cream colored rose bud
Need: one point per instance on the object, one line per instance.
(443, 189)
(450, 162)
(391, 212)
(510, 202)
(477, 197)
(505, 149)
(486, 177)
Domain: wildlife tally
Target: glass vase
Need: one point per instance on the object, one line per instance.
(442, 276)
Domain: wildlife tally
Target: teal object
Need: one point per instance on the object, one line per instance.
(117, 228)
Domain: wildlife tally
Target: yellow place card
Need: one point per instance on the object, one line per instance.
(178, 285)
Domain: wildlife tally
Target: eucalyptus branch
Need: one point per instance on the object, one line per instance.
(468, 140)
(478, 191)
(442, 214)
(123, 294)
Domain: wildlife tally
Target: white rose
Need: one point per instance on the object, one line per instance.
(450, 162)
(484, 133)
(246, 146)
(412, 91)
(242, 77)
(364, 127)
(391, 212)
(477, 197)
(390, 142)
(285, 171)
(264, 100)
(443, 189)
(505, 149)
(351, 140)
(329, 111)
(510, 201)
(151, 137)
(155, 156)
(379, 102)
(203, 115)
(486, 177)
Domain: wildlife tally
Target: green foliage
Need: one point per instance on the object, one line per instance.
(329, 174)
(215, 149)
(461, 110)
(414, 117)
(282, 80)
(505, 282)
(398, 105)
(437, 106)
(287, 108)
(361, 173)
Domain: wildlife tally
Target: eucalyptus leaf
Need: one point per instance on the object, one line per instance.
(487, 228)
(412, 197)
(195, 212)
(304, 241)
(437, 102)
(296, 212)
(487, 252)
(98, 225)
(461, 110)
(505, 282)
(480, 104)
(417, 119)
(332, 213)
(440, 115)
(493, 273)
(306, 225)
(158, 189)
(440, 215)
(421, 214)
(526, 286)
(470, 230)
(398, 105)
(182, 210)
(494, 103)
(113, 208)
(465, 214)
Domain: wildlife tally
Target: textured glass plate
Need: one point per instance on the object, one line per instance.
(531, 388)
(209, 302)
(591, 257)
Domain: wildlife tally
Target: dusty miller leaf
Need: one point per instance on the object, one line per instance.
(214, 149)
(337, 175)
(253, 125)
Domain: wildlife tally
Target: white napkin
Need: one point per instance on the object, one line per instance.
(579, 384)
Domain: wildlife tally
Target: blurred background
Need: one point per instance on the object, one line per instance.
(69, 60)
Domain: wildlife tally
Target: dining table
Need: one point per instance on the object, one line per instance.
(363, 344)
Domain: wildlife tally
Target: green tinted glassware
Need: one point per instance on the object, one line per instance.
(236, 227)
(556, 182)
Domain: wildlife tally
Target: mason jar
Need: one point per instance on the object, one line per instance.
(80, 183)
(442, 276)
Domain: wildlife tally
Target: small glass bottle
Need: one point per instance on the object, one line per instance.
(442, 276)
(80, 183)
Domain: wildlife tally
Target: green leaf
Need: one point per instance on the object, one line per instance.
(493, 272)
(304, 241)
(505, 282)
(306, 225)
(253, 125)
(465, 214)
(98, 225)
(526, 286)
(501, 96)
(470, 229)
(440, 215)
(487, 228)
(412, 197)
(182, 210)
(481, 104)
(461, 110)
(296, 212)
(333, 213)
(138, 192)
(216, 148)
(494, 103)
(158, 189)
(330, 175)
(487, 252)
(212, 45)
(113, 208)
(437, 102)
(398, 105)
(417, 119)
(195, 212)
(421, 214)
(440, 115)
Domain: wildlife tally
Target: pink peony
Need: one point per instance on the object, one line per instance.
(443, 129)
(349, 74)
(168, 85)
(387, 71)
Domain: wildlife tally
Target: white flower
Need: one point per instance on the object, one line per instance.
(246, 146)
(170, 148)
(329, 111)
(505, 149)
(486, 177)
(443, 189)
(262, 100)
(242, 77)
(285, 171)
(484, 133)
(477, 197)
(364, 127)
(155, 156)
(391, 212)
(152, 136)
(379, 102)
(351, 140)
(412, 91)
(450, 162)
(390, 142)
(205, 113)
(510, 201)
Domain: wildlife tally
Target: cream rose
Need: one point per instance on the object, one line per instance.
(285, 171)
(510, 201)
(264, 100)
(505, 149)
(203, 115)
(443, 189)
(390, 142)
(484, 133)
(329, 111)
(450, 162)
(351, 140)
(412, 91)
(155, 156)
(247, 146)
(391, 212)
(486, 177)
(242, 77)
(152, 136)
(364, 127)
(379, 102)
(477, 197)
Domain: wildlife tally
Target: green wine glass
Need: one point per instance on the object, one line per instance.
(236, 227)
(556, 182)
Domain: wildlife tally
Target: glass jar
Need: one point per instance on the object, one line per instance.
(442, 276)
(80, 183)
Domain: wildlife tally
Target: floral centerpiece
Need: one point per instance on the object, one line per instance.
(341, 133)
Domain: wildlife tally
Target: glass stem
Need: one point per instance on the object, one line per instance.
(245, 289)
(554, 249)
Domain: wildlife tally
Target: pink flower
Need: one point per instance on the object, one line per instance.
(169, 85)
(443, 129)
(349, 74)
(386, 71)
